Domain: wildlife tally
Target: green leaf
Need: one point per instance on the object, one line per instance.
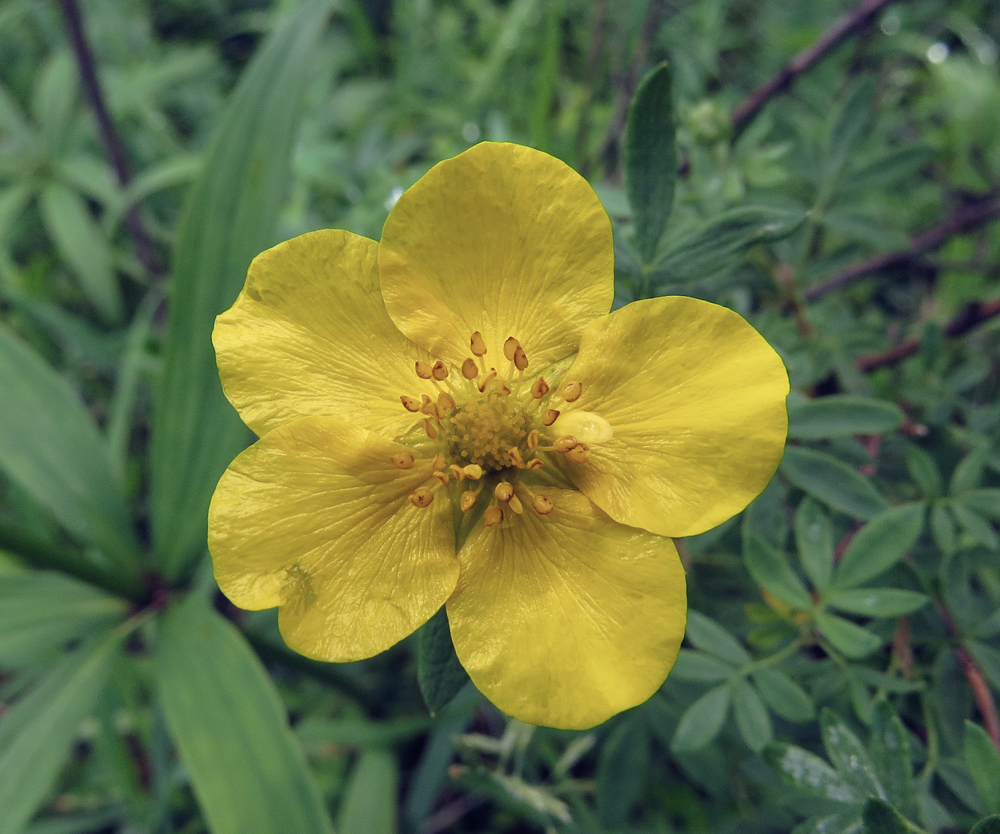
(974, 524)
(439, 672)
(702, 721)
(622, 771)
(890, 751)
(810, 774)
(229, 216)
(699, 667)
(849, 128)
(943, 527)
(651, 159)
(888, 169)
(752, 718)
(879, 545)
(45, 610)
(720, 244)
(924, 470)
(881, 818)
(984, 764)
(989, 660)
(371, 796)
(770, 570)
(783, 695)
(37, 732)
(713, 639)
(968, 473)
(246, 767)
(876, 602)
(853, 640)
(983, 501)
(82, 245)
(814, 541)
(50, 447)
(842, 416)
(849, 756)
(832, 482)
(988, 825)
(12, 203)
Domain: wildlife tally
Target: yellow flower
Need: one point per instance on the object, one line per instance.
(451, 417)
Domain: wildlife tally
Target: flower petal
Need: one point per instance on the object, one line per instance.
(309, 335)
(501, 239)
(696, 399)
(314, 518)
(566, 619)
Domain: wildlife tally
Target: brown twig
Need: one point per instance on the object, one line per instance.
(972, 316)
(966, 219)
(113, 145)
(974, 675)
(846, 26)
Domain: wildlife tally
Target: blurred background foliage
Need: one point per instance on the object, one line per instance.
(842, 661)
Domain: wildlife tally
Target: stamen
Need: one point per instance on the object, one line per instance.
(446, 402)
(565, 443)
(403, 460)
(549, 416)
(473, 471)
(534, 463)
(429, 428)
(444, 479)
(542, 504)
(533, 439)
(478, 344)
(424, 370)
(515, 504)
(520, 359)
(421, 497)
(484, 383)
(467, 501)
(515, 458)
(470, 369)
(438, 463)
(427, 406)
(510, 348)
(457, 472)
(504, 491)
(571, 391)
(493, 517)
(439, 371)
(410, 404)
(504, 387)
(579, 453)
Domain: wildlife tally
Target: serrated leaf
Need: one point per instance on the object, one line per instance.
(853, 640)
(842, 416)
(814, 540)
(881, 818)
(246, 767)
(810, 774)
(983, 760)
(230, 215)
(770, 570)
(699, 667)
(713, 639)
(876, 602)
(849, 756)
(752, 718)
(702, 721)
(651, 159)
(832, 482)
(371, 795)
(879, 545)
(440, 674)
(37, 732)
(622, 770)
(783, 695)
(890, 751)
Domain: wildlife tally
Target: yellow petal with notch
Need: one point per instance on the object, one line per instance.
(569, 618)
(314, 518)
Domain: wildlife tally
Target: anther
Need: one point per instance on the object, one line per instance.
(478, 344)
(444, 479)
(504, 387)
(520, 358)
(446, 402)
(539, 388)
(515, 504)
(515, 457)
(424, 369)
(534, 463)
(427, 406)
(488, 378)
(467, 501)
(504, 491)
(473, 471)
(533, 439)
(439, 371)
(579, 453)
(421, 497)
(571, 391)
(542, 504)
(470, 369)
(410, 404)
(510, 348)
(565, 443)
(429, 428)
(493, 517)
(438, 463)
(457, 472)
(549, 416)
(403, 460)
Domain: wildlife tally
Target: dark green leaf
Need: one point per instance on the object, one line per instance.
(752, 718)
(890, 751)
(876, 602)
(713, 639)
(783, 695)
(879, 545)
(832, 482)
(968, 473)
(814, 540)
(810, 774)
(703, 720)
(943, 527)
(439, 673)
(988, 658)
(770, 570)
(622, 770)
(37, 732)
(247, 769)
(651, 160)
(888, 169)
(974, 524)
(371, 796)
(984, 765)
(701, 668)
(881, 818)
(842, 416)
(229, 216)
(989, 825)
(853, 640)
(853, 118)
(983, 501)
(924, 470)
(849, 756)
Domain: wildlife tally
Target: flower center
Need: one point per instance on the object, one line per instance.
(485, 430)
